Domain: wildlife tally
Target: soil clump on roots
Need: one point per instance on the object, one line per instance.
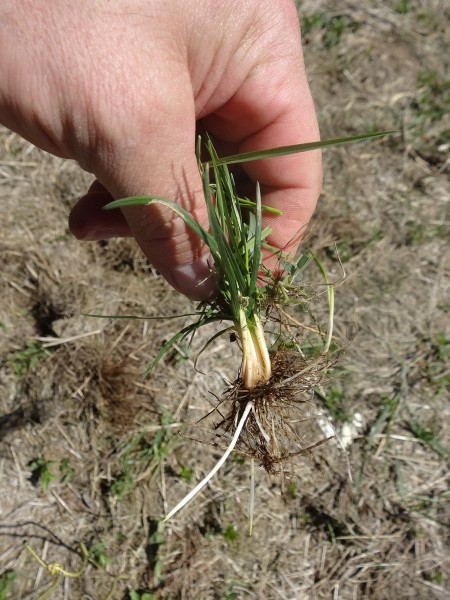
(271, 434)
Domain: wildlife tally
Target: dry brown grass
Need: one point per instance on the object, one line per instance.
(79, 393)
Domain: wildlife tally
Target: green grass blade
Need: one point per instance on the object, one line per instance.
(173, 340)
(133, 201)
(184, 214)
(295, 149)
(139, 317)
(180, 335)
(265, 232)
(225, 260)
(295, 268)
(247, 203)
(256, 258)
(229, 213)
(231, 275)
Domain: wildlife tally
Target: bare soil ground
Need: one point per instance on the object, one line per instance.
(90, 453)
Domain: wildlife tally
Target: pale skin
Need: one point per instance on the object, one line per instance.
(121, 86)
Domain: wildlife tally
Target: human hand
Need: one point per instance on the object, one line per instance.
(120, 86)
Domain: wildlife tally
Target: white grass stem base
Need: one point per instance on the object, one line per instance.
(214, 470)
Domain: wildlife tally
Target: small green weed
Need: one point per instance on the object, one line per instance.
(155, 541)
(292, 490)
(332, 26)
(433, 577)
(66, 471)
(431, 105)
(180, 352)
(41, 472)
(229, 593)
(442, 347)
(343, 251)
(335, 402)
(434, 96)
(346, 247)
(427, 19)
(436, 363)
(428, 433)
(432, 506)
(162, 442)
(123, 483)
(186, 473)
(403, 7)
(384, 421)
(26, 359)
(230, 533)
(305, 518)
(141, 596)
(142, 457)
(441, 350)
(419, 233)
(7, 583)
(98, 553)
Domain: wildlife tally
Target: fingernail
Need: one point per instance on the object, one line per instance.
(194, 280)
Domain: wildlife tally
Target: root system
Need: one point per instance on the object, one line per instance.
(272, 431)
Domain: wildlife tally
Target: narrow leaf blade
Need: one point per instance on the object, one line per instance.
(257, 244)
(179, 210)
(295, 149)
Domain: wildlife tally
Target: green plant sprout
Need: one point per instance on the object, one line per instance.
(235, 245)
(246, 290)
(41, 472)
(26, 359)
(7, 583)
(66, 471)
(142, 458)
(141, 596)
(40, 469)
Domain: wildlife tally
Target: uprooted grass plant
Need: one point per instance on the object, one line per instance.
(274, 378)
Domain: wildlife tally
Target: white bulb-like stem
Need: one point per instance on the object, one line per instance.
(256, 365)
